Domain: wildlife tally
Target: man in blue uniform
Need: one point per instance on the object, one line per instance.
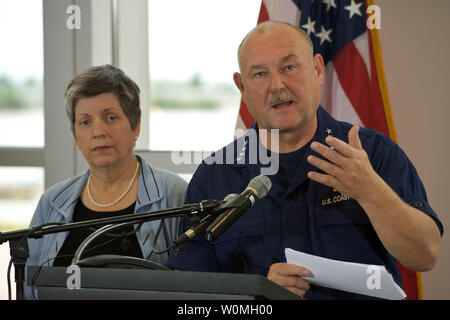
(340, 192)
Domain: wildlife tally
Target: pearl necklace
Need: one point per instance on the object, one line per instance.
(118, 199)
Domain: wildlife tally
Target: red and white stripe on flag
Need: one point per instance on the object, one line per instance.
(354, 91)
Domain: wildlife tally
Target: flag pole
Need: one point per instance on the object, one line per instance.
(374, 36)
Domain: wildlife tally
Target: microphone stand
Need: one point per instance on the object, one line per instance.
(19, 245)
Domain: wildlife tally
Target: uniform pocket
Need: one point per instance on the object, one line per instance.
(347, 234)
(348, 214)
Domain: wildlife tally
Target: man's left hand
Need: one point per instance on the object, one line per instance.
(348, 168)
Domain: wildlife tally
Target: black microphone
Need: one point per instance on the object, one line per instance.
(257, 188)
(203, 224)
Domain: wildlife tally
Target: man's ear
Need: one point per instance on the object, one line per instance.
(238, 81)
(319, 67)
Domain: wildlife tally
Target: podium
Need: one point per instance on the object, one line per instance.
(139, 284)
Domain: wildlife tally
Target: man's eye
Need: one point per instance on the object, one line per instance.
(259, 74)
(84, 123)
(290, 67)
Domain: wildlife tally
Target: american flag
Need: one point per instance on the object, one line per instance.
(355, 90)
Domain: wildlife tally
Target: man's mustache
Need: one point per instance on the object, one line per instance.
(278, 97)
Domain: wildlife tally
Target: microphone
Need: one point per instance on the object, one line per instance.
(202, 225)
(257, 188)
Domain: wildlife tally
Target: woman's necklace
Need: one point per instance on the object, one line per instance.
(118, 199)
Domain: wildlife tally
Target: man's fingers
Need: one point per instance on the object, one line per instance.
(289, 277)
(353, 138)
(343, 148)
(287, 269)
(297, 282)
(326, 166)
(325, 179)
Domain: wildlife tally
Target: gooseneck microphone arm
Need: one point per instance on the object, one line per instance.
(233, 206)
(256, 189)
(189, 210)
(205, 222)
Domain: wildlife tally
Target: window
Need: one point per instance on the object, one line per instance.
(21, 74)
(192, 57)
(21, 117)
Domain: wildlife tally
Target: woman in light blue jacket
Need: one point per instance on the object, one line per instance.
(103, 107)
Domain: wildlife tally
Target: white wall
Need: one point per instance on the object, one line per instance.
(416, 51)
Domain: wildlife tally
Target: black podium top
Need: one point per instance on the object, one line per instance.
(112, 283)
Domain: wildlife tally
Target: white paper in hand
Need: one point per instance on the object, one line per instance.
(366, 279)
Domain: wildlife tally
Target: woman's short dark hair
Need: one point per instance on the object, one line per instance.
(104, 79)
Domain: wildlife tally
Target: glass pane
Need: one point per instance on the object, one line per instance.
(20, 190)
(193, 54)
(21, 73)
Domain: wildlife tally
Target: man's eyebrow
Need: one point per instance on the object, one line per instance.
(288, 57)
(256, 67)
